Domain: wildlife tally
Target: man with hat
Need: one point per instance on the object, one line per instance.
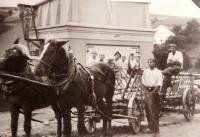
(175, 64)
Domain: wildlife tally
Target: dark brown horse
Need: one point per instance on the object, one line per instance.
(23, 96)
(75, 84)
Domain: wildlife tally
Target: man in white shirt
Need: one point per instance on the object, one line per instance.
(151, 83)
(175, 64)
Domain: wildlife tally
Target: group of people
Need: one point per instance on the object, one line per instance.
(152, 82)
(95, 58)
(123, 66)
(120, 64)
(153, 79)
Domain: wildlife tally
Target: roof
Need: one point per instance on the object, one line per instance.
(162, 34)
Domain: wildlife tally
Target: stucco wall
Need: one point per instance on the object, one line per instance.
(100, 12)
(81, 36)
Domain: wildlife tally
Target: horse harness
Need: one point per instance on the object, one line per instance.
(10, 86)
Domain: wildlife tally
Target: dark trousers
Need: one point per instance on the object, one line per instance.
(152, 101)
(168, 72)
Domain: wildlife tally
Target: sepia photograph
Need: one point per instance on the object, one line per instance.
(99, 68)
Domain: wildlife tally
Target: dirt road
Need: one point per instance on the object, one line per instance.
(172, 125)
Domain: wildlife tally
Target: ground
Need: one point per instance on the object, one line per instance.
(171, 125)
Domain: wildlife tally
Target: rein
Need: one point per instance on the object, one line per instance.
(69, 77)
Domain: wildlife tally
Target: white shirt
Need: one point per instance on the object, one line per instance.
(177, 57)
(152, 78)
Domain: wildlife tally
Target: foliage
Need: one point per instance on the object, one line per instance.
(161, 54)
(197, 64)
(187, 64)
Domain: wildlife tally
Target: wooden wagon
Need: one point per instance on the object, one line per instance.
(128, 101)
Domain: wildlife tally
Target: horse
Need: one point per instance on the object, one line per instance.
(76, 85)
(25, 97)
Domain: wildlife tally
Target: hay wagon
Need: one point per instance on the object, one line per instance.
(128, 101)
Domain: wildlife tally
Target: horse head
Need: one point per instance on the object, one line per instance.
(54, 58)
(15, 58)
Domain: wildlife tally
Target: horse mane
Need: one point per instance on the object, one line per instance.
(23, 49)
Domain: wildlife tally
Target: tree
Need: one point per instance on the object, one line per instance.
(160, 55)
(197, 64)
(192, 27)
(187, 64)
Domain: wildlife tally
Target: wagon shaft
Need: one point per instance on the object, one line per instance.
(22, 79)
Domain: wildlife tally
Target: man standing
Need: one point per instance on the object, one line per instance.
(151, 82)
(175, 64)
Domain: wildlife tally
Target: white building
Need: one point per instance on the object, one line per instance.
(101, 24)
(162, 34)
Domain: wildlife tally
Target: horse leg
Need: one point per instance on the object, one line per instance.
(109, 113)
(14, 120)
(66, 114)
(81, 126)
(27, 122)
(58, 118)
(102, 109)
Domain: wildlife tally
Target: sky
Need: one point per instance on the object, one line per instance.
(183, 8)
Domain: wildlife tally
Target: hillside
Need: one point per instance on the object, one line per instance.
(169, 21)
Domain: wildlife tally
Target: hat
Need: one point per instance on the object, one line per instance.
(131, 54)
(137, 54)
(172, 45)
(117, 53)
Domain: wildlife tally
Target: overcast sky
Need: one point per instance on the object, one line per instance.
(163, 7)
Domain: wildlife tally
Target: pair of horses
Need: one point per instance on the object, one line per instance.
(73, 86)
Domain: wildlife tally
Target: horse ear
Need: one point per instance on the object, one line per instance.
(67, 47)
(63, 42)
(16, 41)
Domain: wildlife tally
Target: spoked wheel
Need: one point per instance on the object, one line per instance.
(188, 104)
(134, 110)
(90, 123)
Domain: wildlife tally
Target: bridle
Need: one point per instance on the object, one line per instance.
(68, 78)
(50, 61)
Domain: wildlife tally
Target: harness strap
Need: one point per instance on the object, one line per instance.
(65, 84)
(92, 96)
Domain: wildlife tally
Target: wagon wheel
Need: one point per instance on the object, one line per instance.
(188, 104)
(134, 110)
(89, 121)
